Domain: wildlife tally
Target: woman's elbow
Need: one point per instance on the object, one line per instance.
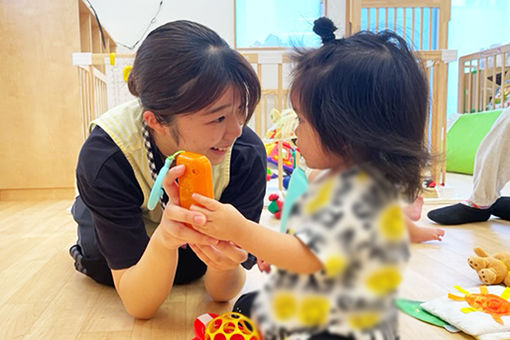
(141, 313)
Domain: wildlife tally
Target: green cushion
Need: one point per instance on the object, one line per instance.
(464, 137)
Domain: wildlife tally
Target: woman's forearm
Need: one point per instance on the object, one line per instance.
(144, 286)
(223, 285)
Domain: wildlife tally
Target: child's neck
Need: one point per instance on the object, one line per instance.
(324, 173)
(340, 166)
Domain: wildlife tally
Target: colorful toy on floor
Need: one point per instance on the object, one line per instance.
(477, 313)
(287, 155)
(200, 323)
(281, 135)
(493, 269)
(270, 175)
(284, 124)
(227, 326)
(286, 180)
(494, 305)
(276, 205)
(428, 183)
(414, 309)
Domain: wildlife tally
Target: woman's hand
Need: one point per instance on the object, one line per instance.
(172, 230)
(222, 256)
(222, 221)
(177, 221)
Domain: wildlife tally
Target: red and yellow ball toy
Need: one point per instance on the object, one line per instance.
(227, 326)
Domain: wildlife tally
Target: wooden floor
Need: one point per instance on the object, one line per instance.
(43, 297)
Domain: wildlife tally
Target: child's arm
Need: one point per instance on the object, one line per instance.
(285, 251)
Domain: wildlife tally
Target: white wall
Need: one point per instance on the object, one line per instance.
(126, 20)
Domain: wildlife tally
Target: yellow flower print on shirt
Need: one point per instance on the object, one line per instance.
(384, 280)
(391, 223)
(366, 320)
(322, 198)
(362, 177)
(284, 306)
(314, 311)
(334, 265)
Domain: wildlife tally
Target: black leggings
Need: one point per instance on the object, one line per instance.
(244, 303)
(89, 261)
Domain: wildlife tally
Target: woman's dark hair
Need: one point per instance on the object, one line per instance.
(182, 67)
(367, 97)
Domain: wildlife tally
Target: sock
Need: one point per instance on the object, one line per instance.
(474, 205)
(501, 208)
(458, 214)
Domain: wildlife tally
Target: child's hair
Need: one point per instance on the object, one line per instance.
(182, 67)
(367, 97)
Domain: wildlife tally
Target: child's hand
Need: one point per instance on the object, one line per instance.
(263, 266)
(221, 220)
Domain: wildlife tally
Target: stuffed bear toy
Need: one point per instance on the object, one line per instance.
(493, 269)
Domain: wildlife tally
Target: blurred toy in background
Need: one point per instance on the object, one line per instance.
(428, 183)
(276, 205)
(286, 180)
(280, 148)
(501, 99)
(288, 153)
(284, 124)
(227, 326)
(270, 174)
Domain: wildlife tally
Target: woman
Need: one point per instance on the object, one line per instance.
(193, 93)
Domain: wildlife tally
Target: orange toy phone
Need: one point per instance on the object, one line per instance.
(197, 177)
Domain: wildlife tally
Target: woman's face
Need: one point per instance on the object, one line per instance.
(210, 131)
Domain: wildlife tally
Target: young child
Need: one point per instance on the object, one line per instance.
(362, 105)
(412, 212)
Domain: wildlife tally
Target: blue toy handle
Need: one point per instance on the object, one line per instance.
(157, 188)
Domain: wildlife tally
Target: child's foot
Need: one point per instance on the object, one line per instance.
(413, 210)
(458, 214)
(424, 234)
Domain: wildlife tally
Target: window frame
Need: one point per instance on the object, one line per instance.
(282, 48)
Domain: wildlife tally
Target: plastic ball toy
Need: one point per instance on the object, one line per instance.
(227, 326)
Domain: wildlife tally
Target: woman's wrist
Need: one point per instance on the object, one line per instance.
(223, 285)
(165, 240)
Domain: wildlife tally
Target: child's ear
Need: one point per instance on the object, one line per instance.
(152, 122)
